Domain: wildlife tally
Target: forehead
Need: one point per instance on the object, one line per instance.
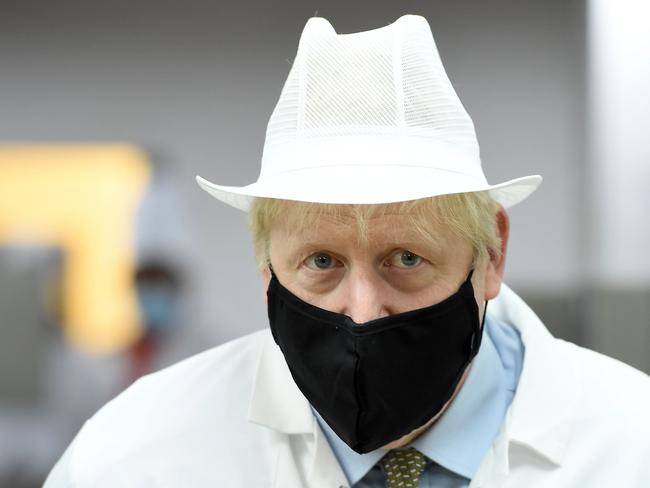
(363, 225)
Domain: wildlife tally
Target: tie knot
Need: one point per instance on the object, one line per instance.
(403, 467)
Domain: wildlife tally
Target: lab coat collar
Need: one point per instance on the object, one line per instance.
(276, 401)
(541, 415)
(539, 418)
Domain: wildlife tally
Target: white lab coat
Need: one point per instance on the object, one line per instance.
(232, 417)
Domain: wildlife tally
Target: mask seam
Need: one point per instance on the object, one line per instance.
(357, 381)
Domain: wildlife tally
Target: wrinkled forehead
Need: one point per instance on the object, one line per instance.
(402, 221)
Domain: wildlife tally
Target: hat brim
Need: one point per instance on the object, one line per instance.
(364, 184)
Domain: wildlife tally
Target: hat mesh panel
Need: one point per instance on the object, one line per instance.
(377, 82)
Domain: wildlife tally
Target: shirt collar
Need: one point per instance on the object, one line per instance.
(459, 439)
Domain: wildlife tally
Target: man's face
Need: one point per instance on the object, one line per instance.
(395, 271)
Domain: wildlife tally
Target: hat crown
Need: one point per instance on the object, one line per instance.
(387, 82)
(369, 118)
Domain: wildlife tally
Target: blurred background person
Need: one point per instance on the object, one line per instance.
(158, 289)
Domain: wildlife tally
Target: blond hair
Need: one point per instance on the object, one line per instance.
(471, 216)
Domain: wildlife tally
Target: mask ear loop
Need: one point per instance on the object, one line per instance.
(482, 331)
(484, 314)
(476, 346)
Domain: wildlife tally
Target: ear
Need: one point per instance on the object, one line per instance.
(497, 263)
(266, 279)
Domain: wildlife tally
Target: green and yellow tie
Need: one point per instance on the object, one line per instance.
(403, 467)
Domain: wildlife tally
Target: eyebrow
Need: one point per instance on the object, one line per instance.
(409, 243)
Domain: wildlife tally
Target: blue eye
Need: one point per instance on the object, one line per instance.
(319, 261)
(406, 259)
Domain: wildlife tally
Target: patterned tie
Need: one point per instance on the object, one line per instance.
(403, 467)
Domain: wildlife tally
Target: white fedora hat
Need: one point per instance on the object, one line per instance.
(369, 117)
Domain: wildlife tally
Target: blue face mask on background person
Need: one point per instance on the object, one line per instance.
(376, 382)
(157, 304)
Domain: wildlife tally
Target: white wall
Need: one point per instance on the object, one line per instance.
(619, 140)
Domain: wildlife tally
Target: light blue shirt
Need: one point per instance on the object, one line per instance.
(459, 440)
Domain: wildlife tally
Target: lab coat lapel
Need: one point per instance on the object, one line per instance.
(544, 406)
(276, 401)
(542, 412)
(303, 450)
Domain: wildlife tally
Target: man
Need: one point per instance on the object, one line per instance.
(381, 245)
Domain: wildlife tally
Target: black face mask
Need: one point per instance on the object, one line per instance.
(377, 381)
